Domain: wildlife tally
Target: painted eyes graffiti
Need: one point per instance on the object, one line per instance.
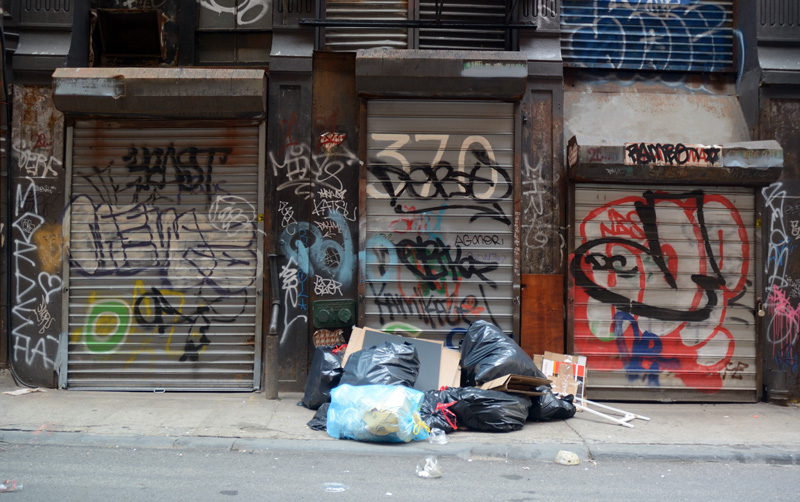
(655, 277)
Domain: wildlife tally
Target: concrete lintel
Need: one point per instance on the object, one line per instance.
(742, 163)
(161, 92)
(441, 73)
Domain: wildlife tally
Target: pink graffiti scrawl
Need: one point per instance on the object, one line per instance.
(331, 140)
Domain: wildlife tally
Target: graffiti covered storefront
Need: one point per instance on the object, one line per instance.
(164, 223)
(439, 216)
(440, 223)
(663, 277)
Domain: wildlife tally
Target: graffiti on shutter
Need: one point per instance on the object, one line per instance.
(663, 291)
(439, 230)
(163, 254)
(676, 35)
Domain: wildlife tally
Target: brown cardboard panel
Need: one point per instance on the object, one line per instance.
(439, 366)
(516, 384)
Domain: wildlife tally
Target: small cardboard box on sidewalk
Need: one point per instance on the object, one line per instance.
(567, 373)
(439, 366)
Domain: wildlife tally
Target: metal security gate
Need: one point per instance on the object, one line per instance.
(439, 235)
(366, 37)
(165, 235)
(662, 294)
(680, 35)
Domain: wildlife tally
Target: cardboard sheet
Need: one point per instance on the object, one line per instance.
(517, 384)
(439, 366)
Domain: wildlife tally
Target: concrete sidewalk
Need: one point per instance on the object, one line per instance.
(758, 432)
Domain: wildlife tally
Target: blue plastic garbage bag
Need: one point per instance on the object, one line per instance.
(377, 413)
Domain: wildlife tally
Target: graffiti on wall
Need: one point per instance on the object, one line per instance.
(315, 221)
(435, 260)
(684, 35)
(36, 241)
(246, 12)
(662, 286)
(782, 288)
(162, 253)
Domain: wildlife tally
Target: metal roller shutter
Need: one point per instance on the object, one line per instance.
(354, 38)
(464, 11)
(682, 35)
(662, 293)
(164, 245)
(440, 216)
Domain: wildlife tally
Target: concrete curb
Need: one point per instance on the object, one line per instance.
(778, 455)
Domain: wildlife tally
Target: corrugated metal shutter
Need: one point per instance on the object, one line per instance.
(440, 218)
(684, 35)
(662, 292)
(463, 11)
(354, 38)
(164, 248)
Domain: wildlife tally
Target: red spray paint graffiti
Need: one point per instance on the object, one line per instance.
(654, 279)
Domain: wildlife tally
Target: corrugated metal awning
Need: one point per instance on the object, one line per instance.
(161, 92)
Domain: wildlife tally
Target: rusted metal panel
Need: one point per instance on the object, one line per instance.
(779, 122)
(662, 292)
(491, 75)
(164, 255)
(542, 183)
(334, 216)
(439, 250)
(781, 297)
(291, 170)
(681, 35)
(37, 167)
(161, 92)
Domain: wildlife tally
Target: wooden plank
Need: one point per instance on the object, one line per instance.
(542, 326)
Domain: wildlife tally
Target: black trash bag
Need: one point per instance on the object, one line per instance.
(486, 410)
(488, 353)
(388, 364)
(437, 414)
(320, 420)
(548, 406)
(323, 375)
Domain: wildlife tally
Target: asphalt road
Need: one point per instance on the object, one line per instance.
(118, 474)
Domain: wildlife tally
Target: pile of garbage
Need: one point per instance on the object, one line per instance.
(375, 393)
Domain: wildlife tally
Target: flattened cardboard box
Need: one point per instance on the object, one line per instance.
(439, 366)
(567, 373)
(517, 384)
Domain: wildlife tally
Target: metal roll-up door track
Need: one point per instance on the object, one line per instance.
(662, 293)
(164, 242)
(440, 218)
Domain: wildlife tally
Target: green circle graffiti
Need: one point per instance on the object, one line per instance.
(113, 336)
